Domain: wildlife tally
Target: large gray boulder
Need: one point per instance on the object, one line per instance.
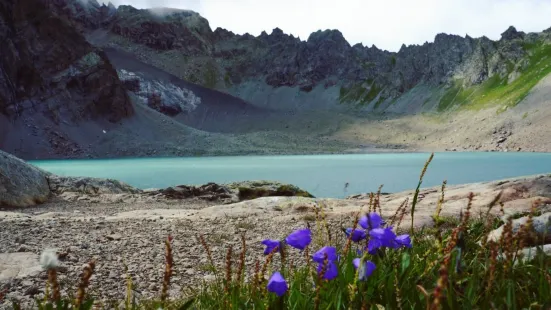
(21, 184)
(541, 226)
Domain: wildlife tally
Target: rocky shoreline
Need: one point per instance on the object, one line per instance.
(114, 224)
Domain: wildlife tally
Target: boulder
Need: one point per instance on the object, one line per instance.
(232, 192)
(541, 226)
(254, 189)
(21, 184)
(528, 254)
(209, 191)
(88, 186)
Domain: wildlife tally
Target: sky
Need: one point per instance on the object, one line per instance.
(385, 23)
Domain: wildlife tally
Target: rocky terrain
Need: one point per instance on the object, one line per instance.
(86, 219)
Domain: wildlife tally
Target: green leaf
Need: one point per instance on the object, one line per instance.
(406, 260)
(187, 305)
(87, 305)
(16, 305)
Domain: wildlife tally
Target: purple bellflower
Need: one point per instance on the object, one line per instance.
(299, 239)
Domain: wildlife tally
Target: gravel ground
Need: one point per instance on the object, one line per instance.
(138, 242)
(134, 232)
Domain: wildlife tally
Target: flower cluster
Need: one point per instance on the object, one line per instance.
(380, 236)
(372, 226)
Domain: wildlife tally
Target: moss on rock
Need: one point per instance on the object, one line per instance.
(256, 189)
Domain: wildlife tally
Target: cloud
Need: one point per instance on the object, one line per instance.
(385, 23)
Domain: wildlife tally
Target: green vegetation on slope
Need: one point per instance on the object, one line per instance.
(210, 78)
(497, 90)
(360, 93)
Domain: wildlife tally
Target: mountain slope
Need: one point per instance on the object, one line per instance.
(272, 69)
(61, 97)
(80, 79)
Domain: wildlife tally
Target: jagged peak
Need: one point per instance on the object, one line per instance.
(331, 34)
(126, 8)
(511, 33)
(441, 37)
(277, 31)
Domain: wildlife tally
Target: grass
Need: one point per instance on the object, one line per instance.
(210, 76)
(361, 93)
(450, 265)
(497, 89)
(227, 79)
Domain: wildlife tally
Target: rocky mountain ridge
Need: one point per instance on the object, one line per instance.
(374, 78)
(86, 80)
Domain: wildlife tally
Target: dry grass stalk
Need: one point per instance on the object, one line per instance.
(207, 249)
(242, 255)
(256, 277)
(228, 269)
(370, 207)
(489, 219)
(228, 279)
(403, 214)
(324, 221)
(349, 239)
(283, 255)
(397, 213)
(84, 282)
(52, 280)
(3, 294)
(493, 264)
(440, 201)
(169, 264)
(467, 217)
(417, 190)
(442, 281)
(506, 243)
(397, 288)
(436, 218)
(267, 263)
(425, 293)
(378, 200)
(526, 232)
(320, 281)
(128, 299)
(307, 256)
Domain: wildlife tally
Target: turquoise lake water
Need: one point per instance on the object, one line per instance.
(322, 175)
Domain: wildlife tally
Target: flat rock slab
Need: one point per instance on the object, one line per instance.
(4, 215)
(18, 265)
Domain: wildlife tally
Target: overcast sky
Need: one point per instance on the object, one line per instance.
(385, 23)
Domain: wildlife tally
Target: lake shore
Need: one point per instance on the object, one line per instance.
(120, 224)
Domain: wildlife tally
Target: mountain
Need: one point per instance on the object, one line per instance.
(182, 43)
(120, 81)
